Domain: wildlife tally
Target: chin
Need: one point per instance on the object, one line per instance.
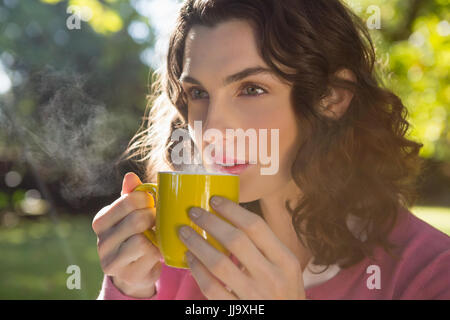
(254, 186)
(245, 196)
(251, 188)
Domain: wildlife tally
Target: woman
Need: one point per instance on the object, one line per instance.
(332, 222)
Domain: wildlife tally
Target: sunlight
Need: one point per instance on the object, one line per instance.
(162, 16)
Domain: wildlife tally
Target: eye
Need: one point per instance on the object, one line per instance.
(196, 93)
(253, 90)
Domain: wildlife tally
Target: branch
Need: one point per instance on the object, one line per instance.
(405, 28)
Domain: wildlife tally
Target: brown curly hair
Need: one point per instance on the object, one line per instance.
(361, 164)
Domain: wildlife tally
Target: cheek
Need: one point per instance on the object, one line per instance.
(254, 185)
(289, 140)
(197, 113)
(288, 133)
(275, 114)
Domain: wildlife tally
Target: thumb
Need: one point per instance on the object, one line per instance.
(130, 182)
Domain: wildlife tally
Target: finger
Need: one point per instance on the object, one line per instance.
(217, 263)
(235, 240)
(130, 250)
(136, 222)
(130, 182)
(255, 228)
(127, 203)
(144, 270)
(208, 284)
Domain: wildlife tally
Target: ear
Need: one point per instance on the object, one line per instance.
(336, 103)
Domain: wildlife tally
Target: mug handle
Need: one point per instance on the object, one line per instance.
(153, 189)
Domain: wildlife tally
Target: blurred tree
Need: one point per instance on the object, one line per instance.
(413, 46)
(44, 62)
(88, 83)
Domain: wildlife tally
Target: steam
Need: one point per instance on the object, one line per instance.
(70, 137)
(185, 155)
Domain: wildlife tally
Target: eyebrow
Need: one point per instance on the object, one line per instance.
(231, 78)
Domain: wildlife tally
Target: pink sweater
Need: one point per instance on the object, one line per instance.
(423, 272)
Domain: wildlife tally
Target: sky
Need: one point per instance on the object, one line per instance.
(162, 16)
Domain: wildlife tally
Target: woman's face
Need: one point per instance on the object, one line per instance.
(252, 102)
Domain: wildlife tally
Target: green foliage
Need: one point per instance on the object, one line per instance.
(413, 46)
(36, 254)
(101, 55)
(4, 200)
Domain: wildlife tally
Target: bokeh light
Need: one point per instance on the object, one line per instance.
(13, 179)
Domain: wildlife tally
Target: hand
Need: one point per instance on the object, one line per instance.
(272, 270)
(125, 253)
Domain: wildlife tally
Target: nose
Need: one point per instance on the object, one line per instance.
(220, 116)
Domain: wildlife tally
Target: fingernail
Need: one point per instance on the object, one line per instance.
(216, 200)
(185, 232)
(189, 257)
(195, 213)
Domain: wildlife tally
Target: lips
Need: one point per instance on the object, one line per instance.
(235, 169)
(227, 162)
(229, 165)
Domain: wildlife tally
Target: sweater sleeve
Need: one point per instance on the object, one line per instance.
(433, 282)
(110, 292)
(167, 286)
(438, 285)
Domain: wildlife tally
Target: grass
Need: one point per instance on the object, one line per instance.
(35, 255)
(438, 217)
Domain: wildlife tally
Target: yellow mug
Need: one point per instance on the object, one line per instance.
(175, 193)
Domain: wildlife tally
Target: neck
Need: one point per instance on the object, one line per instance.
(278, 218)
